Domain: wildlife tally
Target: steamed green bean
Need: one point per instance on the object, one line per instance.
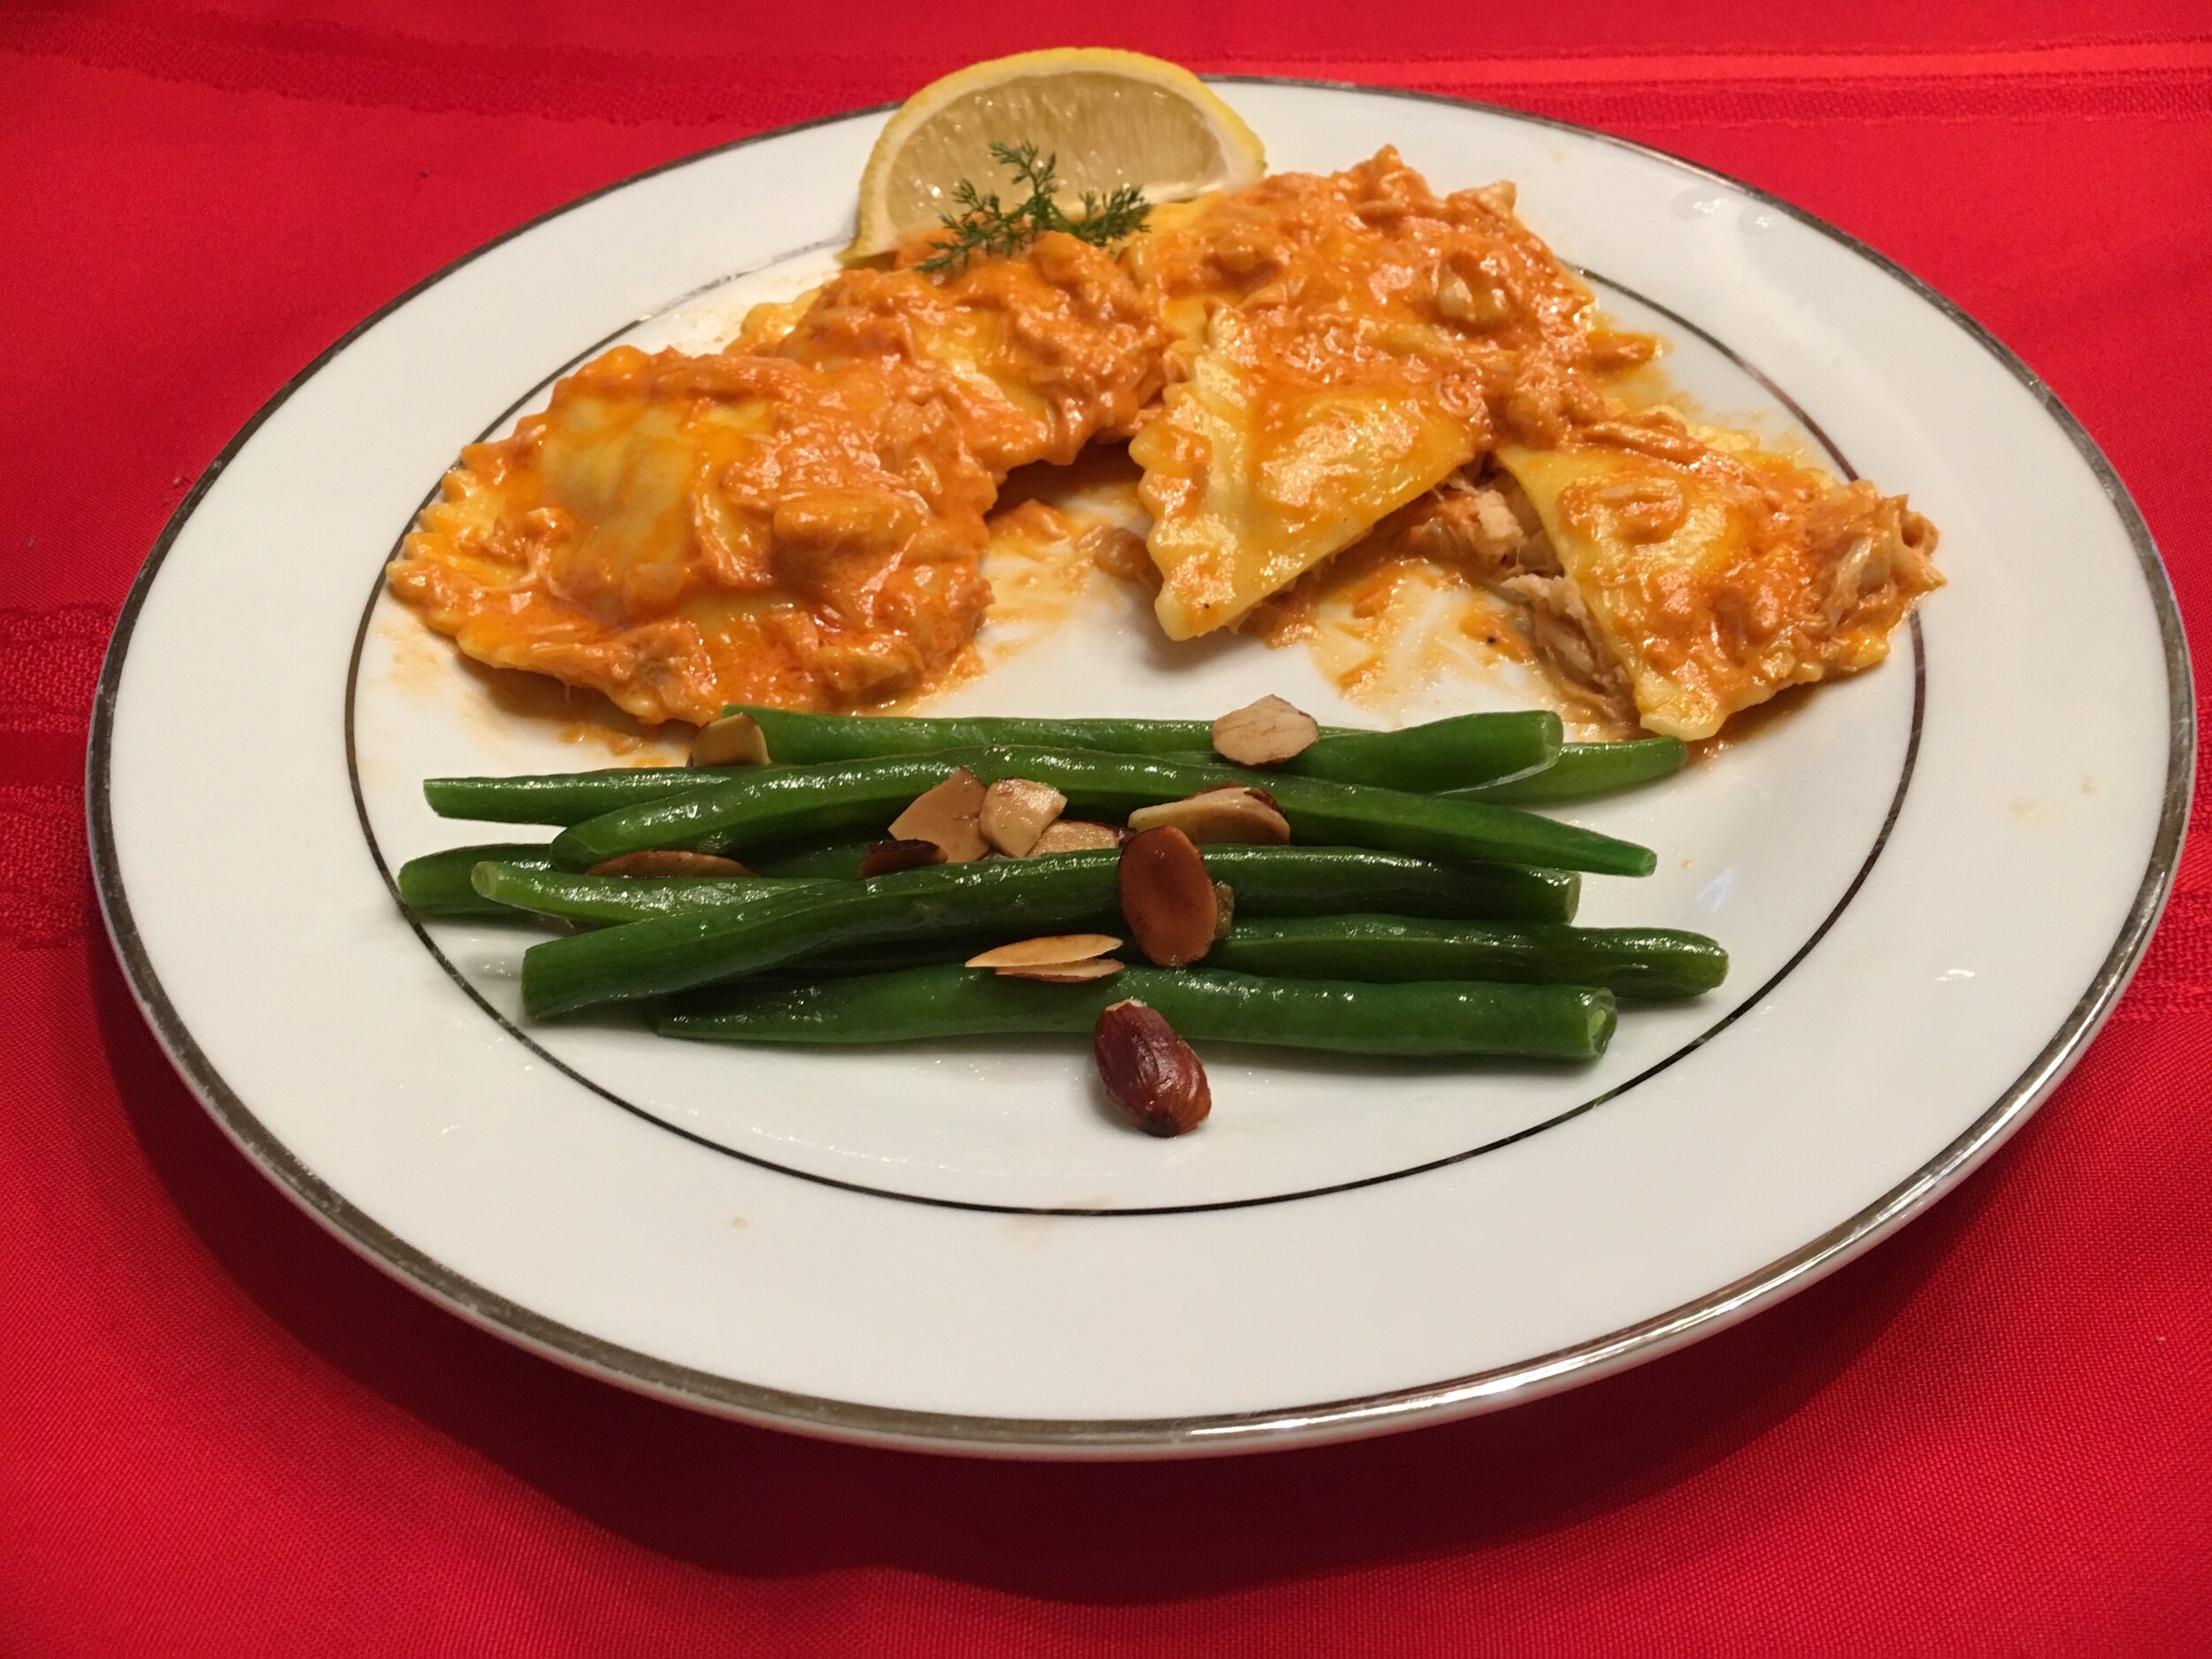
(757, 804)
(1549, 1022)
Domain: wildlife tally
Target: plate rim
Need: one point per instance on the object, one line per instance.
(1275, 1426)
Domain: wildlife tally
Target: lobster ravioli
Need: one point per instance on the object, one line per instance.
(1338, 344)
(1675, 574)
(796, 521)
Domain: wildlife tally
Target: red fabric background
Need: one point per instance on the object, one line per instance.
(222, 1434)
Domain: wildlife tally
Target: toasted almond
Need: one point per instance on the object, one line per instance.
(667, 862)
(884, 858)
(1017, 811)
(1167, 898)
(1065, 972)
(1225, 909)
(1076, 835)
(1154, 1077)
(1233, 813)
(735, 739)
(1264, 733)
(1054, 950)
(947, 814)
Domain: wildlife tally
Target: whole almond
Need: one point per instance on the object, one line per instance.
(883, 858)
(1154, 1076)
(1264, 733)
(667, 862)
(1167, 897)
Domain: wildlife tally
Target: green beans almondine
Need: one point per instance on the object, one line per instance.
(1463, 749)
(776, 803)
(1267, 881)
(677, 952)
(707, 937)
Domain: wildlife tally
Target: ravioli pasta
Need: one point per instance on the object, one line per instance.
(1299, 367)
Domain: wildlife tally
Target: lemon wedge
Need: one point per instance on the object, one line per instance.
(1112, 117)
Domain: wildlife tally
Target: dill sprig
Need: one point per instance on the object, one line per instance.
(984, 225)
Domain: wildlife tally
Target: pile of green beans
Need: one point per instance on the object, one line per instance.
(748, 805)
(1267, 881)
(1445, 760)
(1417, 911)
(1467, 749)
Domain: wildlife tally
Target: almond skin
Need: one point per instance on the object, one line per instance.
(1154, 1076)
(668, 862)
(1264, 733)
(883, 858)
(1167, 897)
(947, 814)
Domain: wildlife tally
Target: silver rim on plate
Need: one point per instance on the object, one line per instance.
(1231, 1431)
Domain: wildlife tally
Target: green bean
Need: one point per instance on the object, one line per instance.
(1325, 881)
(437, 884)
(1587, 769)
(1467, 748)
(834, 860)
(677, 952)
(1642, 962)
(1266, 881)
(1538, 1022)
(753, 804)
(548, 892)
(560, 797)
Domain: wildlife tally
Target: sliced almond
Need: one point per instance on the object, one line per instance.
(1017, 811)
(1052, 951)
(1264, 733)
(735, 739)
(1076, 835)
(1167, 898)
(1233, 813)
(1066, 972)
(1225, 909)
(886, 859)
(947, 814)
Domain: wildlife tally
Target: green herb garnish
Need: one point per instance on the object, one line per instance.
(984, 226)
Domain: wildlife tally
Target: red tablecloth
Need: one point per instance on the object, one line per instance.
(222, 1434)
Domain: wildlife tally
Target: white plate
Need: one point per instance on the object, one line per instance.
(1933, 879)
